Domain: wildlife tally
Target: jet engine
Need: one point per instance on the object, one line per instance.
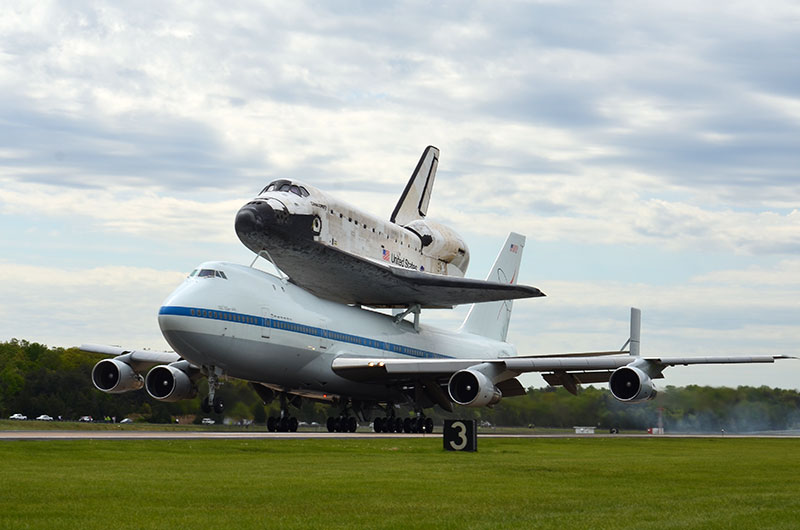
(114, 376)
(631, 384)
(473, 389)
(169, 383)
(441, 242)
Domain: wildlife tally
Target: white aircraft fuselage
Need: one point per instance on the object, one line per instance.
(254, 326)
(289, 219)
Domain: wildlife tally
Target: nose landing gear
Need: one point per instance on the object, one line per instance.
(211, 401)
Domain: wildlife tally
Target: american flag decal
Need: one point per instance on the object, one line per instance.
(514, 248)
(385, 255)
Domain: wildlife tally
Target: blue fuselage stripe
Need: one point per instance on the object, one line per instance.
(263, 322)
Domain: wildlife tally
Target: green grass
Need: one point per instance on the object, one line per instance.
(398, 483)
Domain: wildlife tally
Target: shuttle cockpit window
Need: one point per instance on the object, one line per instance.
(207, 273)
(286, 186)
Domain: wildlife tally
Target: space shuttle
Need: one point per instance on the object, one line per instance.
(342, 253)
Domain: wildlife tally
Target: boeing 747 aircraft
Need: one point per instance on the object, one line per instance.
(237, 321)
(341, 253)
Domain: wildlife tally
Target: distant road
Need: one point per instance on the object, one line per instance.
(208, 435)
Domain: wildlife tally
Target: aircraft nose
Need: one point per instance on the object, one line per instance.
(254, 217)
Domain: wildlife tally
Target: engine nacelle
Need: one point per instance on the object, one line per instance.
(441, 242)
(632, 385)
(169, 383)
(114, 376)
(473, 389)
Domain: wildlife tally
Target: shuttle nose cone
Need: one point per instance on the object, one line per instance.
(254, 217)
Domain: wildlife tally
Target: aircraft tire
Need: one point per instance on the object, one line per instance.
(352, 424)
(272, 424)
(398, 425)
(292, 424)
(331, 424)
(377, 424)
(407, 425)
(428, 425)
(219, 405)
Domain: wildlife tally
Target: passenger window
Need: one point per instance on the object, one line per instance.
(295, 190)
(303, 191)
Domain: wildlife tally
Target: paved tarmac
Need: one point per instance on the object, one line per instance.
(259, 435)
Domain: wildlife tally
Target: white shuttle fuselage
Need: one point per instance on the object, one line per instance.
(318, 240)
(288, 218)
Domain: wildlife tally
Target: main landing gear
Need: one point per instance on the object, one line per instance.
(211, 401)
(347, 420)
(284, 422)
(342, 424)
(420, 424)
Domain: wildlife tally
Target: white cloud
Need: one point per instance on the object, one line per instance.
(116, 305)
(126, 211)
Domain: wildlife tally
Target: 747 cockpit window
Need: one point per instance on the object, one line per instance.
(287, 186)
(208, 273)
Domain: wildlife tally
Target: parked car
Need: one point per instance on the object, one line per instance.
(127, 420)
(208, 421)
(87, 419)
(18, 416)
(44, 417)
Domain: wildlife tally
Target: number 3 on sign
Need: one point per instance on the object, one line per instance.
(462, 436)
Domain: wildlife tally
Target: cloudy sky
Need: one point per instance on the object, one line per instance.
(650, 153)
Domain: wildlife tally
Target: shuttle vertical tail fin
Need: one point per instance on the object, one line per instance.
(413, 204)
(490, 319)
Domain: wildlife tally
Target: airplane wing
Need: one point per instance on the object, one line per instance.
(628, 374)
(371, 283)
(585, 369)
(139, 357)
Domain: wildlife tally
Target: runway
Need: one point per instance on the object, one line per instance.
(263, 435)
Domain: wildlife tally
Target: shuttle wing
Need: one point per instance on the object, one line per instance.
(342, 277)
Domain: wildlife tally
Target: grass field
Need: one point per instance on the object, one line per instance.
(394, 483)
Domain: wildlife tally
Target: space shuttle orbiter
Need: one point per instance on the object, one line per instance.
(344, 254)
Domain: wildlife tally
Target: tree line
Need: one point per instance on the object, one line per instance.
(35, 379)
